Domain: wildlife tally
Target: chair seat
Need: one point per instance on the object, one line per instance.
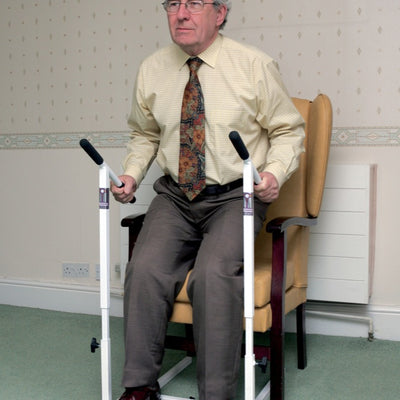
(262, 285)
(182, 312)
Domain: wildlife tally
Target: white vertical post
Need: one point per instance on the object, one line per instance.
(248, 246)
(250, 175)
(104, 211)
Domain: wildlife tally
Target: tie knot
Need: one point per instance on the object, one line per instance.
(194, 63)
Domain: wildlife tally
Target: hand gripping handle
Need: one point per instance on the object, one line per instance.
(98, 159)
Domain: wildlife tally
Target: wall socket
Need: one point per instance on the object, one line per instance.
(117, 269)
(75, 270)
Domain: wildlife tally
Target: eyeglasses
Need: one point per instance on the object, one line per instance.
(193, 6)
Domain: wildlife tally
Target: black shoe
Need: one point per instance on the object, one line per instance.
(142, 393)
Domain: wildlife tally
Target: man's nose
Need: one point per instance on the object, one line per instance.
(183, 12)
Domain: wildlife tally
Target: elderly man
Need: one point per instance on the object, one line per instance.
(188, 96)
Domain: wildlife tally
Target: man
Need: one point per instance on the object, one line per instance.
(196, 224)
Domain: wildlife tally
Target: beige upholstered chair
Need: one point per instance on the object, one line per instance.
(281, 248)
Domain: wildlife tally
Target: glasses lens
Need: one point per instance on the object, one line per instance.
(171, 6)
(193, 6)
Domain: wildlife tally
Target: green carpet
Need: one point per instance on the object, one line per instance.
(46, 355)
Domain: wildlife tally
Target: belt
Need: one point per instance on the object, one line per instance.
(213, 190)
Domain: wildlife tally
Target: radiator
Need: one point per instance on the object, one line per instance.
(341, 253)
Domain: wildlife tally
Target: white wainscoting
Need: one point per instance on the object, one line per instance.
(357, 211)
(86, 300)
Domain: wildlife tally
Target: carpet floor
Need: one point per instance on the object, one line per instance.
(45, 355)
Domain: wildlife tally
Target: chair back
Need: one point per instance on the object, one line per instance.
(301, 195)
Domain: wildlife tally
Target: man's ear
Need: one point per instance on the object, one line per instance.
(221, 14)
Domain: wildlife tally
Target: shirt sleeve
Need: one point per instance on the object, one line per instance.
(283, 123)
(145, 135)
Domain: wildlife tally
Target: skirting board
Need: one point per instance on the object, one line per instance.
(322, 318)
(67, 298)
(354, 320)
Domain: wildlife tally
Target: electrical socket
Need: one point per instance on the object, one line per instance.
(117, 269)
(75, 270)
(97, 272)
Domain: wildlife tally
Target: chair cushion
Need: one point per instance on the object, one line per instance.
(182, 312)
(262, 284)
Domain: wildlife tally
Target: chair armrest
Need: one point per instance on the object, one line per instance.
(134, 222)
(280, 224)
(278, 227)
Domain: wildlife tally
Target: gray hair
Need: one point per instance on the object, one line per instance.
(228, 4)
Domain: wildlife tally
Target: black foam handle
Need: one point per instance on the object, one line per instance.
(97, 158)
(239, 145)
(91, 151)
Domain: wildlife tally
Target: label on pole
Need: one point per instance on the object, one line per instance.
(104, 198)
(248, 208)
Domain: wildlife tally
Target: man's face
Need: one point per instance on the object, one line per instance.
(195, 32)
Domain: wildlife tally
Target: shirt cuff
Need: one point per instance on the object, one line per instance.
(276, 170)
(135, 173)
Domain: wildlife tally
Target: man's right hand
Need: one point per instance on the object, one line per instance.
(126, 193)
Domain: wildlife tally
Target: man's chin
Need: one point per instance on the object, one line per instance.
(185, 44)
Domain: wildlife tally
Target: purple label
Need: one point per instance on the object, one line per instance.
(248, 204)
(104, 199)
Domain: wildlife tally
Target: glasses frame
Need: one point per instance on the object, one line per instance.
(166, 2)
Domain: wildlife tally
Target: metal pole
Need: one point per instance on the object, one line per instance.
(105, 173)
(250, 175)
(104, 214)
(248, 246)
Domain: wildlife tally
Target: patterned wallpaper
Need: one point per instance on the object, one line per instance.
(68, 66)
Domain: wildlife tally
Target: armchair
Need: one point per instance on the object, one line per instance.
(281, 249)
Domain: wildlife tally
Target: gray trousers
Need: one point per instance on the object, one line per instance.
(205, 235)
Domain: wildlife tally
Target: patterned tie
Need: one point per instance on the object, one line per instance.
(192, 179)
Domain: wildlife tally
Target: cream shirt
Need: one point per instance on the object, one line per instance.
(242, 90)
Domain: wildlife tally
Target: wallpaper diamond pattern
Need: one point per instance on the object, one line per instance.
(68, 66)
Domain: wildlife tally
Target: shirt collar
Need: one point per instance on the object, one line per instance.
(209, 56)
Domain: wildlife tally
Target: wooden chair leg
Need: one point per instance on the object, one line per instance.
(277, 377)
(189, 336)
(278, 316)
(301, 336)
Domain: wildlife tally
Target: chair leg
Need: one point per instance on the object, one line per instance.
(278, 316)
(301, 336)
(189, 336)
(277, 377)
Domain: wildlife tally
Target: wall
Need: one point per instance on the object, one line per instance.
(67, 72)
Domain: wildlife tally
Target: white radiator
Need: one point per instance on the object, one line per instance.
(341, 245)
(341, 255)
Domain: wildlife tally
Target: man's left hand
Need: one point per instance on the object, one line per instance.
(268, 189)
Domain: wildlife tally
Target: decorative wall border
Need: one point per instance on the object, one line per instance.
(366, 136)
(62, 140)
(354, 136)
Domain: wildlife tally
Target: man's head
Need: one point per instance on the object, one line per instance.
(194, 24)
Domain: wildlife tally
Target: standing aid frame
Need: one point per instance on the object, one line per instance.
(250, 176)
(105, 174)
